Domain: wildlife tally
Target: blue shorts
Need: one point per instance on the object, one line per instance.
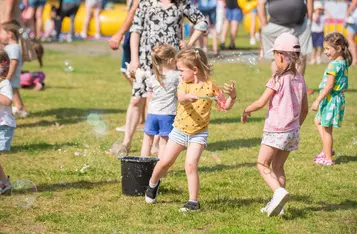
(37, 3)
(183, 139)
(352, 28)
(126, 52)
(234, 14)
(158, 124)
(211, 14)
(6, 134)
(317, 39)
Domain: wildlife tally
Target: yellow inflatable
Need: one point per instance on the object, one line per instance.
(247, 5)
(247, 21)
(110, 20)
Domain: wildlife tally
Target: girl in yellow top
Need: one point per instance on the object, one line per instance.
(195, 94)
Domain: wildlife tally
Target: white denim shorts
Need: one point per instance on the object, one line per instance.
(288, 141)
(183, 139)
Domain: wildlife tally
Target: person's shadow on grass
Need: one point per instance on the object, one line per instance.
(345, 159)
(65, 116)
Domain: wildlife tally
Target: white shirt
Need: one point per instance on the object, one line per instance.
(319, 25)
(164, 98)
(6, 117)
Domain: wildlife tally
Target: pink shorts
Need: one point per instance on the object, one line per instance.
(288, 141)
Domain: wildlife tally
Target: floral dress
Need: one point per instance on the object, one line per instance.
(160, 24)
(332, 107)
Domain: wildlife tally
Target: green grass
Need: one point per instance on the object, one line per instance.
(232, 192)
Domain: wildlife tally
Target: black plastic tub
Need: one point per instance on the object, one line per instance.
(135, 174)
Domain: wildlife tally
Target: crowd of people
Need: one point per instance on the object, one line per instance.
(173, 78)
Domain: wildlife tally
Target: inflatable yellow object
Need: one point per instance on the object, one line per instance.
(247, 21)
(247, 5)
(110, 20)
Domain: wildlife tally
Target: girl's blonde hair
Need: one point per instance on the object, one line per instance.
(161, 55)
(12, 26)
(292, 58)
(336, 39)
(5, 64)
(195, 58)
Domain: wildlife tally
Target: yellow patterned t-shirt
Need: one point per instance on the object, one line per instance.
(193, 117)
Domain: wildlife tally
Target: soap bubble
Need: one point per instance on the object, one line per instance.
(354, 140)
(21, 30)
(68, 67)
(246, 58)
(100, 128)
(118, 149)
(32, 35)
(24, 35)
(24, 190)
(93, 119)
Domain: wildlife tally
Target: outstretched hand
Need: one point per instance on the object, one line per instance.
(230, 89)
(244, 117)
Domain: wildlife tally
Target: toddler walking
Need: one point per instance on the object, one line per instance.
(288, 107)
(163, 103)
(10, 39)
(330, 104)
(195, 94)
(7, 121)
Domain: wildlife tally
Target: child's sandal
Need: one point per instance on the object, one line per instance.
(326, 162)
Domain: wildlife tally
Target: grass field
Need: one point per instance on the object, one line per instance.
(52, 146)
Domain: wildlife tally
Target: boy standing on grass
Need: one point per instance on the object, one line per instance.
(10, 38)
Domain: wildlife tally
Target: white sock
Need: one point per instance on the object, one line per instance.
(152, 185)
(194, 202)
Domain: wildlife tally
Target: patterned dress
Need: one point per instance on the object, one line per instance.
(332, 107)
(159, 24)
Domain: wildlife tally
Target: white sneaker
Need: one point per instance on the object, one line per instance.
(265, 209)
(280, 197)
(252, 41)
(83, 35)
(97, 36)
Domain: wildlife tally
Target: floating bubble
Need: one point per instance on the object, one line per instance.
(93, 119)
(24, 190)
(68, 67)
(100, 128)
(249, 59)
(21, 30)
(354, 140)
(28, 30)
(118, 149)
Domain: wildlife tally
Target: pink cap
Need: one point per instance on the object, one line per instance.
(286, 42)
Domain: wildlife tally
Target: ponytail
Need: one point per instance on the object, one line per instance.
(160, 56)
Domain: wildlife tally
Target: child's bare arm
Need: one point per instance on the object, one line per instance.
(183, 98)
(5, 100)
(304, 109)
(258, 104)
(329, 85)
(13, 65)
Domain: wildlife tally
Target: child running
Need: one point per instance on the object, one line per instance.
(7, 121)
(330, 104)
(163, 103)
(195, 94)
(288, 107)
(10, 39)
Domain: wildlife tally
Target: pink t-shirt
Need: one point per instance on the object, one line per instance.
(285, 105)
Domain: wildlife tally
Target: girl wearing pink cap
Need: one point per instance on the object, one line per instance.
(288, 107)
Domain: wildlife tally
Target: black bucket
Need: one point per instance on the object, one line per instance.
(136, 173)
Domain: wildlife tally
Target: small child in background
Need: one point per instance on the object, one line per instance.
(209, 10)
(330, 104)
(317, 32)
(195, 94)
(7, 120)
(50, 25)
(33, 80)
(288, 107)
(163, 103)
(10, 39)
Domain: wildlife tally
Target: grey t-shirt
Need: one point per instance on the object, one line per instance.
(14, 52)
(164, 97)
(287, 13)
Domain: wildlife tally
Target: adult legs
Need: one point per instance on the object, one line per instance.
(97, 20)
(234, 30)
(17, 100)
(39, 11)
(86, 21)
(353, 48)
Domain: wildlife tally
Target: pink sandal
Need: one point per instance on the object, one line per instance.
(326, 162)
(321, 155)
